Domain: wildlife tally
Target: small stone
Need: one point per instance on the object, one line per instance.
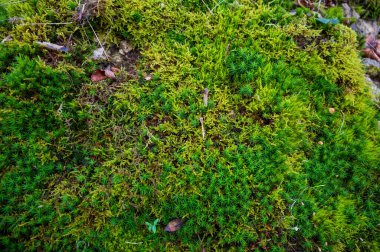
(320, 143)
(331, 110)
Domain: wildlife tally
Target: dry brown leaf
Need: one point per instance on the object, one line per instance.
(174, 225)
(369, 53)
(98, 75)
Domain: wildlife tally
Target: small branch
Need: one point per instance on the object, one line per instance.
(100, 43)
(319, 4)
(136, 243)
(207, 6)
(53, 46)
(217, 5)
(205, 97)
(203, 128)
(47, 23)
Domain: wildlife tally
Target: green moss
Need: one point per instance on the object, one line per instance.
(275, 169)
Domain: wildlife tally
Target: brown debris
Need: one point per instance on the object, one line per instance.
(87, 9)
(306, 4)
(372, 48)
(108, 72)
(174, 225)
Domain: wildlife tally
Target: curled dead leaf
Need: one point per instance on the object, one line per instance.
(174, 225)
(98, 75)
(369, 53)
(372, 48)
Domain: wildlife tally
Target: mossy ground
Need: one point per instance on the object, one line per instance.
(84, 165)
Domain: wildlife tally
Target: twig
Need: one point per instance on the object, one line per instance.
(217, 5)
(100, 43)
(211, 10)
(205, 97)
(201, 241)
(65, 23)
(53, 46)
(207, 6)
(133, 242)
(203, 128)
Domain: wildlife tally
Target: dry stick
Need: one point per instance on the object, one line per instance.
(85, 33)
(203, 128)
(217, 5)
(46, 23)
(52, 46)
(205, 97)
(207, 6)
(104, 50)
(133, 242)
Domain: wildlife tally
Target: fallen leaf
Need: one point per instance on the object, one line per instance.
(369, 53)
(333, 21)
(98, 75)
(174, 225)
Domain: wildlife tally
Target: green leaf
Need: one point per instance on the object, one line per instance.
(323, 20)
(155, 222)
(333, 21)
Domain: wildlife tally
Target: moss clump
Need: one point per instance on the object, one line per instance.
(276, 169)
